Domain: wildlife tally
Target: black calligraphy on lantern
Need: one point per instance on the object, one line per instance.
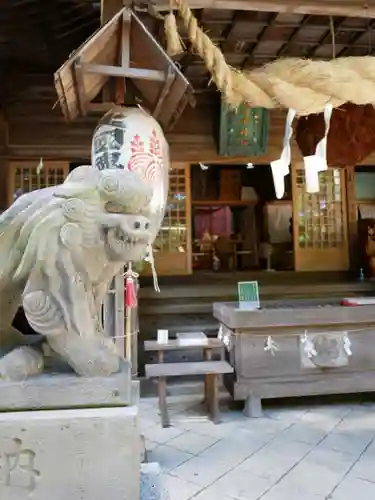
(17, 467)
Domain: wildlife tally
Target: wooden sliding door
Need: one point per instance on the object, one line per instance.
(320, 222)
(26, 176)
(173, 243)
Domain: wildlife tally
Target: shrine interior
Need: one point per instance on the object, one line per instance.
(238, 224)
(325, 249)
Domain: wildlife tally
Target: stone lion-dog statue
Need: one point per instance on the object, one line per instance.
(60, 248)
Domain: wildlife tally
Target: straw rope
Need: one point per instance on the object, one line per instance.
(302, 84)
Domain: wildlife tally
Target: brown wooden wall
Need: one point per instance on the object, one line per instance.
(35, 129)
(31, 128)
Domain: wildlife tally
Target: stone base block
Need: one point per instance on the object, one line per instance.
(49, 392)
(152, 483)
(82, 454)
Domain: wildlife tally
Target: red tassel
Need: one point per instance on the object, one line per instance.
(130, 293)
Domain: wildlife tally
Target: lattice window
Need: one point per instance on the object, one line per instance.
(321, 215)
(27, 177)
(173, 233)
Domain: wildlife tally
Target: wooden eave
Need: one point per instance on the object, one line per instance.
(347, 8)
(123, 49)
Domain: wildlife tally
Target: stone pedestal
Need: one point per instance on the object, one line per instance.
(77, 453)
(82, 454)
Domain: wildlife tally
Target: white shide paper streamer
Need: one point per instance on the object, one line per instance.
(280, 167)
(318, 162)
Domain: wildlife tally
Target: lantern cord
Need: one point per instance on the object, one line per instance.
(332, 29)
(150, 259)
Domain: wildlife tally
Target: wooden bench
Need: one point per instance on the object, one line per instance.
(210, 369)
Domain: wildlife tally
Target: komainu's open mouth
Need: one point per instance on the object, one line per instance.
(129, 240)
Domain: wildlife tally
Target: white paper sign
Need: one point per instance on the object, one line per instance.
(162, 337)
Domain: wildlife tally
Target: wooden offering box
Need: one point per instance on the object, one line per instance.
(340, 341)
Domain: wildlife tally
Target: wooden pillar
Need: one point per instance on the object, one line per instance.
(114, 90)
(352, 217)
(4, 162)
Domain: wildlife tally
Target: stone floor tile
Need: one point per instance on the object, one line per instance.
(179, 489)
(315, 479)
(232, 451)
(158, 434)
(369, 452)
(265, 426)
(149, 421)
(274, 462)
(364, 468)
(347, 443)
(184, 404)
(289, 454)
(192, 443)
(206, 427)
(288, 415)
(229, 415)
(210, 493)
(167, 457)
(279, 492)
(241, 486)
(360, 423)
(284, 446)
(337, 462)
(200, 471)
(351, 488)
(305, 433)
(329, 411)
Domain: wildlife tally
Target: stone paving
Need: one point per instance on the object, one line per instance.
(324, 452)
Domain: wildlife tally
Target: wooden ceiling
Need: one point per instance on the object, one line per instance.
(37, 36)
(251, 39)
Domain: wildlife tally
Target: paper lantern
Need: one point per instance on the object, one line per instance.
(131, 139)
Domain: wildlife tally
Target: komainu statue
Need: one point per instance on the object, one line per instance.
(60, 247)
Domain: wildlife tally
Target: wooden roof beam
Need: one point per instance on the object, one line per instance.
(293, 36)
(262, 36)
(327, 36)
(356, 38)
(347, 8)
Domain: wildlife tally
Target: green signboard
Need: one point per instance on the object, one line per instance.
(248, 294)
(243, 131)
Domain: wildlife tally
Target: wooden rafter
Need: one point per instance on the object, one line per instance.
(346, 8)
(124, 57)
(293, 36)
(262, 35)
(328, 36)
(45, 22)
(356, 37)
(123, 72)
(229, 33)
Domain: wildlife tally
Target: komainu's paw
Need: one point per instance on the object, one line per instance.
(89, 357)
(21, 363)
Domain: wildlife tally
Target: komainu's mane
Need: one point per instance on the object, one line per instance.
(29, 229)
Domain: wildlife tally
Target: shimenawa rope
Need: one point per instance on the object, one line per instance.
(301, 84)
